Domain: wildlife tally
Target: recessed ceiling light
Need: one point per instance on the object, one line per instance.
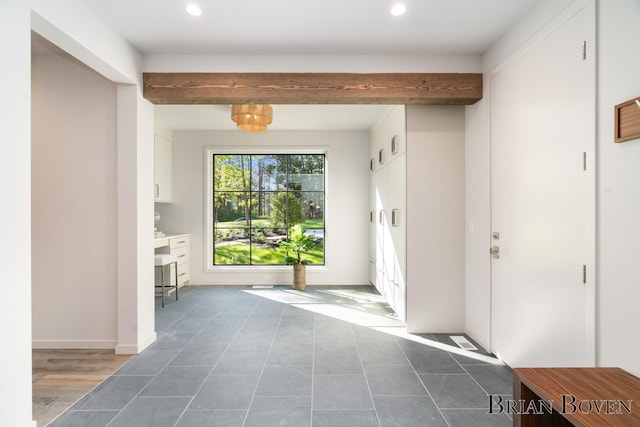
(398, 9)
(193, 9)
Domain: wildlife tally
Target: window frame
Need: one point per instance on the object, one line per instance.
(210, 151)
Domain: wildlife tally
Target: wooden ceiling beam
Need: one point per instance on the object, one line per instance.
(313, 88)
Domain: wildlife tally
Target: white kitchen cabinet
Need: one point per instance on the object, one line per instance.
(388, 208)
(180, 246)
(163, 169)
(417, 228)
(397, 131)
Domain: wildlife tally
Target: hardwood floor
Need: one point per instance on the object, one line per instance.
(61, 377)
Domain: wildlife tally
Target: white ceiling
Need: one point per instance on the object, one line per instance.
(312, 26)
(305, 27)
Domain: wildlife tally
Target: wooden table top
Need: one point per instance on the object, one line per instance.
(587, 396)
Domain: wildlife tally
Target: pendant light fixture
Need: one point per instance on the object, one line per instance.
(252, 117)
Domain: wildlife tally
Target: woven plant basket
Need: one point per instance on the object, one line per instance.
(299, 277)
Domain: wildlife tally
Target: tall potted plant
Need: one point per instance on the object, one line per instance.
(297, 244)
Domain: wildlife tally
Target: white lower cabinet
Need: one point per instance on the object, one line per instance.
(180, 246)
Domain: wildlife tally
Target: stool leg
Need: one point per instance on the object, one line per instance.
(176, 266)
(162, 280)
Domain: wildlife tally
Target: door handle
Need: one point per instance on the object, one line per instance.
(495, 252)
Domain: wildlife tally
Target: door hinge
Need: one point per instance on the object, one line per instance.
(584, 161)
(584, 274)
(584, 50)
(495, 252)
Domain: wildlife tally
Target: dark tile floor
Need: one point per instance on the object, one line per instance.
(234, 356)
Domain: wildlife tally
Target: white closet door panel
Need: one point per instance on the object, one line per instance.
(542, 121)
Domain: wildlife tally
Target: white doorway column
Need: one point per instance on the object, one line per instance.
(136, 316)
(15, 193)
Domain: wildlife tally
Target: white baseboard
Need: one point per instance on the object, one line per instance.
(127, 349)
(136, 349)
(94, 345)
(33, 423)
(250, 283)
(147, 341)
(73, 344)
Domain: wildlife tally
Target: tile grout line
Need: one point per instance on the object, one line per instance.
(186, 408)
(313, 369)
(479, 385)
(154, 376)
(251, 310)
(264, 364)
(423, 384)
(115, 374)
(178, 353)
(364, 373)
(473, 378)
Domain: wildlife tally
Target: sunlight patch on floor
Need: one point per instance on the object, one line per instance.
(354, 295)
(351, 315)
(402, 333)
(285, 297)
(385, 324)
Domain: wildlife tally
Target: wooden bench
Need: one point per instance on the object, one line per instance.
(575, 397)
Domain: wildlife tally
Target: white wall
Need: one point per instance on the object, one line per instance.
(139, 334)
(314, 63)
(618, 189)
(618, 236)
(15, 246)
(76, 28)
(435, 218)
(136, 309)
(347, 201)
(73, 204)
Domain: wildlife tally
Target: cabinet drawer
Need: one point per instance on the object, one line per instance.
(182, 253)
(184, 274)
(178, 242)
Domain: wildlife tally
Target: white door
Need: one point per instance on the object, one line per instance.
(373, 244)
(397, 232)
(381, 282)
(384, 256)
(543, 200)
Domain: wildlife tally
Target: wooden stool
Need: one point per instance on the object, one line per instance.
(162, 261)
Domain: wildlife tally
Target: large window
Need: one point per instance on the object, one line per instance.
(257, 197)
